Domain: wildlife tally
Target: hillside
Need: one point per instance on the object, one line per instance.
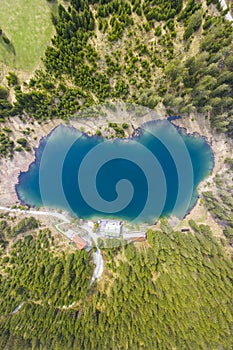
(173, 291)
(65, 61)
(174, 53)
(28, 29)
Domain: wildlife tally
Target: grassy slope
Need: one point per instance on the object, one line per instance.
(28, 26)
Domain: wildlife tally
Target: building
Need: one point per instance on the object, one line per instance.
(110, 228)
(137, 239)
(90, 224)
(80, 242)
(134, 236)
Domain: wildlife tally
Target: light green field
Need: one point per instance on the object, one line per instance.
(28, 25)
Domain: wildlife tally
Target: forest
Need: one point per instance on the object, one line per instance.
(173, 291)
(220, 201)
(139, 52)
(36, 270)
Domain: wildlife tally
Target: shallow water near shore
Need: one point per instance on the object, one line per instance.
(141, 178)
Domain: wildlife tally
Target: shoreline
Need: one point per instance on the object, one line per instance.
(221, 147)
(139, 130)
(36, 158)
(85, 120)
(20, 163)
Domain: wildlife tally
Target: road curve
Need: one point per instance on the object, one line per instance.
(98, 259)
(38, 212)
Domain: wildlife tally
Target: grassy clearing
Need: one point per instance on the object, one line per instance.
(28, 26)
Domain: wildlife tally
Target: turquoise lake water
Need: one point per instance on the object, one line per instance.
(138, 179)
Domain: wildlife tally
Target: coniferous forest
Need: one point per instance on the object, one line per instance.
(173, 291)
(144, 52)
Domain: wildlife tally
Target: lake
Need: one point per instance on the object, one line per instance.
(155, 173)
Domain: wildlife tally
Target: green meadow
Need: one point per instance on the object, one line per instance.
(28, 26)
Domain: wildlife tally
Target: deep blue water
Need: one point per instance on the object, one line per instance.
(142, 178)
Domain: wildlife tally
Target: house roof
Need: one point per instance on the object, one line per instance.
(80, 243)
(138, 239)
(110, 226)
